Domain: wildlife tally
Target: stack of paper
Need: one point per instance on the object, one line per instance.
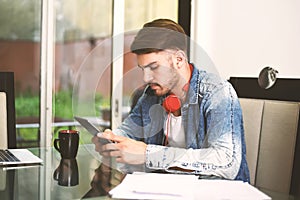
(226, 189)
(154, 186)
(175, 186)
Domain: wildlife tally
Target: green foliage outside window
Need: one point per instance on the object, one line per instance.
(27, 108)
(27, 105)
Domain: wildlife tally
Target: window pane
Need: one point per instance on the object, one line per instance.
(82, 56)
(82, 62)
(137, 13)
(20, 53)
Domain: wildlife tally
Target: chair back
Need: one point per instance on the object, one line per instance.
(7, 115)
(271, 129)
(252, 116)
(3, 121)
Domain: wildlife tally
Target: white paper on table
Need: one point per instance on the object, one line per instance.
(175, 186)
(154, 186)
(227, 189)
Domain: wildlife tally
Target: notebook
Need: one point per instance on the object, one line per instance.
(16, 157)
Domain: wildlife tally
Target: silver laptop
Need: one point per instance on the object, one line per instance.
(15, 157)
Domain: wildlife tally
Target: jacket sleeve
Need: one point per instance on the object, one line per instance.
(144, 121)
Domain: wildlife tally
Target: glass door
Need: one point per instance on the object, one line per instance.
(137, 13)
(82, 60)
(83, 50)
(20, 53)
(86, 37)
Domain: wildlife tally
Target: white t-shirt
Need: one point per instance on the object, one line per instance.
(175, 131)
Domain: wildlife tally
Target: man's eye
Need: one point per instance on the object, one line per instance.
(153, 67)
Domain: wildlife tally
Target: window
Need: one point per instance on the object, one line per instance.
(20, 53)
(82, 60)
(137, 13)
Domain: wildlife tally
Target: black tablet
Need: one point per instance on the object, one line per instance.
(91, 128)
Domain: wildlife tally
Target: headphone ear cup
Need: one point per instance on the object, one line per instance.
(171, 103)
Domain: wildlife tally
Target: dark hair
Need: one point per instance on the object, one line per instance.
(159, 35)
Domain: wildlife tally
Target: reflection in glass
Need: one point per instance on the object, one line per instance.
(67, 173)
(104, 179)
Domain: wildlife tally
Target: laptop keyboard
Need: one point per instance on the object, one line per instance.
(6, 156)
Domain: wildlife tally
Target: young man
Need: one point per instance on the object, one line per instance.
(187, 120)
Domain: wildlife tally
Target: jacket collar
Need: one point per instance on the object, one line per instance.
(193, 93)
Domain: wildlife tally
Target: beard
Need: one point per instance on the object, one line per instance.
(165, 88)
(165, 82)
(158, 89)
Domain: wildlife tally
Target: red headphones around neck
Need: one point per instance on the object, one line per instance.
(171, 103)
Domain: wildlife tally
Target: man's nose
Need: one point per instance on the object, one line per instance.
(147, 75)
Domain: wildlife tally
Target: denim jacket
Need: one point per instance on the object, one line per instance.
(213, 127)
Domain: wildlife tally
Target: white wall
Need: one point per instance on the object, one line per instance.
(243, 36)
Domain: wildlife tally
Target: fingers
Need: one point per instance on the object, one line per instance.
(94, 139)
(108, 134)
(123, 149)
(109, 147)
(108, 131)
(112, 150)
(97, 144)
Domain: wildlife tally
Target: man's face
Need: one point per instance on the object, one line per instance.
(159, 71)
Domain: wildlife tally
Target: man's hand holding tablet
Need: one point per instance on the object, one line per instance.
(91, 129)
(124, 149)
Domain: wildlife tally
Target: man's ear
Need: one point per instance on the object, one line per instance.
(180, 58)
